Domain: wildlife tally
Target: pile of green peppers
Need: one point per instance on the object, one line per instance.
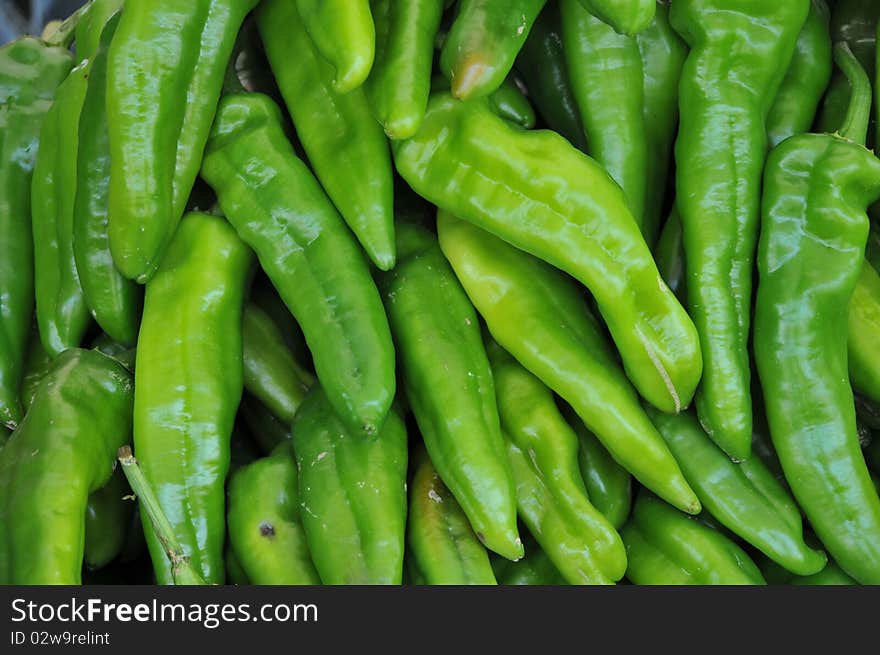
(434, 292)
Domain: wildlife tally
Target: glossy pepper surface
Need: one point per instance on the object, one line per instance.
(113, 300)
(533, 569)
(312, 259)
(744, 497)
(400, 79)
(449, 386)
(625, 16)
(541, 63)
(539, 193)
(605, 69)
(62, 314)
(809, 400)
(30, 72)
(91, 24)
(482, 44)
(551, 497)
(344, 143)
(725, 95)
(63, 450)
(352, 492)
(165, 70)
(443, 548)
(265, 526)
(188, 375)
(344, 35)
(863, 326)
(666, 547)
(805, 82)
(540, 317)
(108, 516)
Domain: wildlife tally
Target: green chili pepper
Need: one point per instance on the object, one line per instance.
(448, 384)
(442, 545)
(345, 145)
(108, 516)
(91, 24)
(663, 53)
(278, 208)
(606, 75)
(30, 72)
(510, 104)
(539, 193)
(36, 365)
(114, 301)
(669, 253)
(814, 227)
(344, 35)
(533, 569)
(625, 16)
(352, 491)
(863, 348)
(585, 547)
(541, 318)
(482, 44)
(744, 497)
(265, 528)
(270, 371)
(805, 81)
(725, 95)
(62, 314)
(400, 80)
(165, 72)
(541, 62)
(831, 575)
(267, 429)
(608, 484)
(266, 297)
(189, 382)
(63, 450)
(666, 547)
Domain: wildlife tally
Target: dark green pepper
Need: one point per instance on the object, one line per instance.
(625, 16)
(108, 516)
(266, 535)
(533, 569)
(352, 492)
(30, 72)
(278, 208)
(448, 384)
(267, 429)
(863, 330)
(814, 227)
(188, 376)
(64, 450)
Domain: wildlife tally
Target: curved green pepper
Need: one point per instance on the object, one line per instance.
(188, 376)
(352, 491)
(63, 450)
(605, 69)
(863, 331)
(725, 95)
(663, 53)
(539, 193)
(62, 314)
(114, 300)
(625, 16)
(344, 35)
(266, 429)
(744, 497)
(265, 528)
(533, 569)
(400, 80)
(30, 72)
(551, 497)
(108, 515)
(441, 542)
(608, 484)
(271, 373)
(483, 42)
(831, 575)
(805, 81)
(266, 297)
(448, 384)
(669, 253)
(814, 228)
(666, 547)
(345, 144)
(91, 24)
(36, 365)
(541, 62)
(278, 208)
(541, 318)
(510, 104)
(165, 72)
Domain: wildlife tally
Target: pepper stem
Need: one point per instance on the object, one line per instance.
(855, 124)
(181, 569)
(64, 33)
